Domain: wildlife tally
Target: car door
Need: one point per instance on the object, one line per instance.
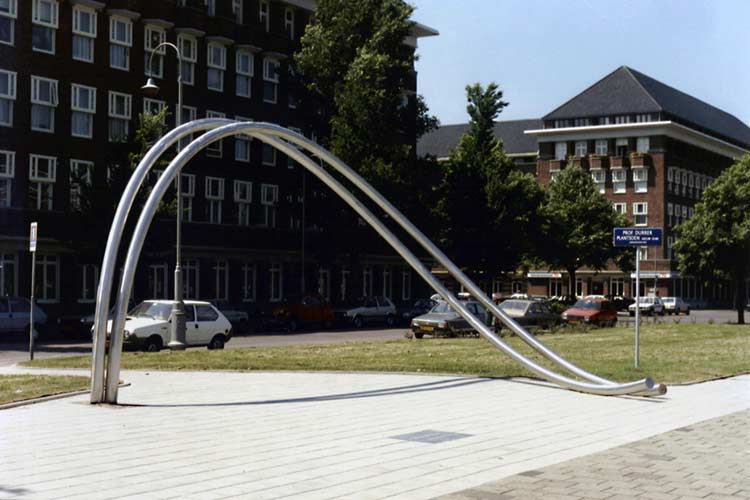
(207, 319)
(192, 330)
(370, 311)
(20, 311)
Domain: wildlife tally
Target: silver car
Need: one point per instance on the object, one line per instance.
(443, 320)
(15, 313)
(675, 305)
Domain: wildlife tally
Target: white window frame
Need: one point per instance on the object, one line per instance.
(406, 284)
(275, 290)
(581, 148)
(244, 73)
(264, 14)
(244, 203)
(11, 14)
(113, 114)
(599, 176)
(187, 196)
(237, 11)
(640, 179)
(619, 180)
(553, 175)
(89, 275)
(211, 64)
(561, 150)
(267, 147)
(670, 214)
(148, 45)
(189, 113)
(52, 24)
(269, 200)
(220, 267)
(191, 278)
(46, 262)
(153, 106)
(158, 275)
(216, 148)
(642, 144)
(367, 281)
(601, 147)
(7, 173)
(620, 208)
(77, 107)
(387, 283)
(215, 196)
(9, 95)
(78, 178)
(126, 43)
(88, 36)
(210, 7)
(250, 277)
(289, 22)
(189, 56)
(271, 77)
(45, 190)
(242, 141)
(640, 208)
(36, 82)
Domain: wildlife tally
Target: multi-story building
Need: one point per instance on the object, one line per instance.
(70, 79)
(652, 151)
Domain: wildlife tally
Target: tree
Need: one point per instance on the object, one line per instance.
(715, 242)
(486, 208)
(578, 224)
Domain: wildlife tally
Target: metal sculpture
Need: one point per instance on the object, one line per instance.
(104, 383)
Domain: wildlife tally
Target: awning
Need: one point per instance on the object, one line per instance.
(543, 274)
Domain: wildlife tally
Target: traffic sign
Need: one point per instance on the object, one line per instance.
(637, 236)
(32, 237)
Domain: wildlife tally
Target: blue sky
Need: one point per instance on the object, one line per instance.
(543, 52)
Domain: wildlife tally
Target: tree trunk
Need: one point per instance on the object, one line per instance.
(572, 284)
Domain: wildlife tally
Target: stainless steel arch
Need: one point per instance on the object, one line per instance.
(259, 130)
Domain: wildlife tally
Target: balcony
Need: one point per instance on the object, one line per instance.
(578, 161)
(639, 159)
(598, 161)
(619, 161)
(557, 164)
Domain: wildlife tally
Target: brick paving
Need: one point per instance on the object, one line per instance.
(709, 460)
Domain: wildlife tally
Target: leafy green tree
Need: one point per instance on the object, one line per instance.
(715, 242)
(578, 224)
(486, 208)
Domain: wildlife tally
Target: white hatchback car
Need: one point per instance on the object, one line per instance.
(147, 326)
(648, 305)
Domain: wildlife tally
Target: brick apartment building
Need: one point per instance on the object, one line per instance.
(70, 78)
(651, 150)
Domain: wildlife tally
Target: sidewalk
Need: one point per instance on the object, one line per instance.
(324, 435)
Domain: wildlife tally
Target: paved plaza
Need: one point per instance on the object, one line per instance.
(363, 436)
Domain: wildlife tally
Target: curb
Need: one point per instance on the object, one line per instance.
(51, 397)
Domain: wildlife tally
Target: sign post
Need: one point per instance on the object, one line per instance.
(32, 249)
(637, 237)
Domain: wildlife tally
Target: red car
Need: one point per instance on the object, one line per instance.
(591, 312)
(311, 309)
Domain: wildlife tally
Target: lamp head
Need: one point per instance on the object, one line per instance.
(150, 89)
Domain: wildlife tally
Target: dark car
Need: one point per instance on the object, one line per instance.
(237, 316)
(443, 320)
(420, 307)
(311, 309)
(592, 312)
(530, 313)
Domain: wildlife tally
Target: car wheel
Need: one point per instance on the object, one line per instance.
(418, 335)
(153, 344)
(217, 342)
(358, 322)
(390, 320)
(687, 312)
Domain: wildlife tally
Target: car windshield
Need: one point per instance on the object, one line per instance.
(668, 300)
(153, 310)
(515, 305)
(442, 307)
(646, 300)
(588, 304)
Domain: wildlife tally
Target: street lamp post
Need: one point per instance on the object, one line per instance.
(177, 330)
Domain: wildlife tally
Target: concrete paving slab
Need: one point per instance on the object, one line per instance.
(330, 435)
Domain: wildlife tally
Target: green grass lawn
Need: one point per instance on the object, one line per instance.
(20, 387)
(670, 353)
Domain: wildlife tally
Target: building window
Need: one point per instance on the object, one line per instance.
(153, 106)
(188, 193)
(684, 174)
(7, 173)
(276, 282)
(621, 208)
(640, 214)
(190, 278)
(289, 22)
(210, 7)
(120, 41)
(555, 288)
(605, 120)
(8, 275)
(237, 11)
(344, 282)
(691, 184)
(44, 26)
(189, 49)
(242, 148)
(264, 14)
(621, 147)
(598, 176)
(367, 281)
(642, 255)
(215, 197)
(217, 64)
(269, 155)
(670, 214)
(670, 179)
(244, 67)
(153, 37)
(581, 122)
(618, 180)
(119, 116)
(387, 283)
(602, 146)
(642, 144)
(249, 273)
(8, 15)
(43, 104)
(553, 175)
(561, 150)
(640, 179)
(158, 281)
(243, 197)
(80, 176)
(221, 281)
(82, 111)
(89, 282)
(7, 97)
(47, 279)
(670, 243)
(581, 148)
(406, 284)
(324, 283)
(684, 209)
(270, 80)
(269, 199)
(84, 33)
(617, 287)
(42, 175)
(215, 149)
(643, 118)
(622, 119)
(579, 287)
(290, 163)
(189, 113)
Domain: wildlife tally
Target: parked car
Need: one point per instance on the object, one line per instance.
(420, 307)
(598, 312)
(147, 326)
(235, 314)
(648, 305)
(79, 325)
(620, 303)
(443, 320)
(15, 314)
(368, 310)
(675, 305)
(311, 309)
(529, 312)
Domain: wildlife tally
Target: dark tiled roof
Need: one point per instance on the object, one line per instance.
(627, 91)
(440, 142)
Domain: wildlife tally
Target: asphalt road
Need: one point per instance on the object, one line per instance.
(11, 353)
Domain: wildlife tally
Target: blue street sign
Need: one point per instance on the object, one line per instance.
(637, 236)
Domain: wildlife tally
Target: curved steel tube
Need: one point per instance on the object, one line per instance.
(258, 130)
(436, 253)
(106, 278)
